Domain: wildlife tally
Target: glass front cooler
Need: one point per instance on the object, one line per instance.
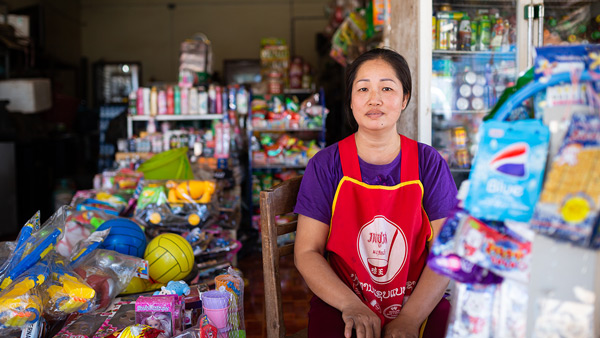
(474, 60)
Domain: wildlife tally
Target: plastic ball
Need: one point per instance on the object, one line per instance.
(170, 257)
(125, 237)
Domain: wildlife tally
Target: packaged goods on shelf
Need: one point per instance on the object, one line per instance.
(526, 262)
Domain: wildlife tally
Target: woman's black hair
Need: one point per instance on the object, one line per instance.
(394, 59)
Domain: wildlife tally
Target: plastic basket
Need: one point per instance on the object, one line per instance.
(169, 165)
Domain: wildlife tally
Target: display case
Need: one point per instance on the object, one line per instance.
(474, 59)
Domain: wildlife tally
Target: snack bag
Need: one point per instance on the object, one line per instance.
(570, 202)
(508, 169)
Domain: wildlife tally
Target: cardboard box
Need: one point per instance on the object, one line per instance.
(26, 95)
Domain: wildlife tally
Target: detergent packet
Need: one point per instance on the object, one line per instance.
(570, 201)
(508, 169)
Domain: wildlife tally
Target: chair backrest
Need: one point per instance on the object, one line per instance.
(278, 200)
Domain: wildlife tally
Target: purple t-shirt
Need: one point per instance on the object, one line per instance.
(324, 172)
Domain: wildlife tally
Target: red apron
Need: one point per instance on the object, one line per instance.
(378, 235)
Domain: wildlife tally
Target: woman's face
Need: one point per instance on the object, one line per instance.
(377, 96)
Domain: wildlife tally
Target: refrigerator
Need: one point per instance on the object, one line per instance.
(479, 49)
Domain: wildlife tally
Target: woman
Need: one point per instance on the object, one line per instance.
(364, 208)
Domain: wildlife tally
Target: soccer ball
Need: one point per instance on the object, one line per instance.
(125, 237)
(170, 257)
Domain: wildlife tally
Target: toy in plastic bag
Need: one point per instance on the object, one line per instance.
(67, 292)
(186, 203)
(113, 204)
(108, 272)
(21, 302)
(508, 169)
(33, 246)
(79, 225)
(85, 247)
(234, 284)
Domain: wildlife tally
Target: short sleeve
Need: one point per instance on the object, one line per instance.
(439, 196)
(318, 186)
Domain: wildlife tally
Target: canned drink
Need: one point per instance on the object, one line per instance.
(470, 78)
(462, 158)
(481, 80)
(433, 31)
(459, 137)
(464, 90)
(444, 28)
(462, 103)
(477, 103)
(477, 90)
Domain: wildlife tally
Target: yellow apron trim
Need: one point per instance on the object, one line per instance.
(368, 186)
(422, 330)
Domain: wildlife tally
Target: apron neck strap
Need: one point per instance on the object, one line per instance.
(349, 158)
(409, 161)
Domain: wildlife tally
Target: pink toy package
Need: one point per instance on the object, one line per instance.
(163, 312)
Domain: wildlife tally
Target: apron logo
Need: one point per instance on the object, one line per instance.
(382, 249)
(392, 311)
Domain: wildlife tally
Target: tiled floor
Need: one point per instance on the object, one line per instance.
(295, 293)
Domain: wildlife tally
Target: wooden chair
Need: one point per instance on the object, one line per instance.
(278, 200)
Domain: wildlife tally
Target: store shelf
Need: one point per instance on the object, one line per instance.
(438, 52)
(456, 111)
(298, 91)
(176, 117)
(281, 130)
(460, 170)
(277, 166)
(146, 118)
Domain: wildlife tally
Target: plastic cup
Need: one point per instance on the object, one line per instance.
(217, 316)
(215, 299)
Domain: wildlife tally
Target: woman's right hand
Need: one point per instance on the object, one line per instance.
(359, 317)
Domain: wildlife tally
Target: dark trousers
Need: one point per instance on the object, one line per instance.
(326, 321)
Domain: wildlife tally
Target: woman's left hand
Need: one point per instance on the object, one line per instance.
(401, 327)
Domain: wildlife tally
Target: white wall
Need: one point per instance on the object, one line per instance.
(150, 32)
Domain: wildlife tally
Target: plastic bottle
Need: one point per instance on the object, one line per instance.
(153, 102)
(184, 101)
(218, 101)
(464, 34)
(242, 100)
(202, 101)
(146, 98)
(231, 97)
(485, 31)
(162, 102)
(193, 99)
(132, 104)
(212, 99)
(140, 101)
(170, 101)
(177, 101)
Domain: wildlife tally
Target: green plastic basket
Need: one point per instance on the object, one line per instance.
(169, 165)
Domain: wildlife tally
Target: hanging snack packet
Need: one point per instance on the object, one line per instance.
(508, 169)
(473, 314)
(570, 202)
(444, 261)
